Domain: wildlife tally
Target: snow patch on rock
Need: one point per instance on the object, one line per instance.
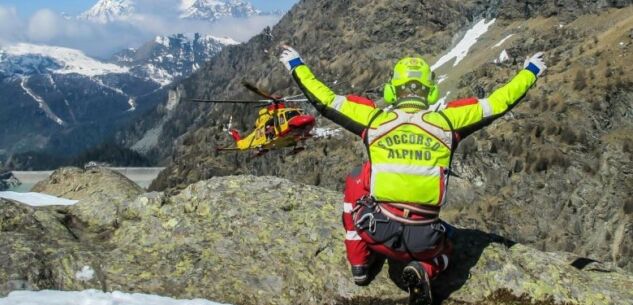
(502, 41)
(159, 75)
(36, 199)
(503, 57)
(162, 40)
(327, 132)
(41, 103)
(85, 274)
(132, 103)
(93, 297)
(460, 51)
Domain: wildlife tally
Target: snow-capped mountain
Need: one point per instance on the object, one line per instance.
(109, 10)
(168, 58)
(51, 92)
(25, 58)
(105, 11)
(215, 9)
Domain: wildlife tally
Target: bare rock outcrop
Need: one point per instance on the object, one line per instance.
(100, 192)
(266, 240)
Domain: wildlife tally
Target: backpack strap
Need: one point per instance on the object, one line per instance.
(453, 147)
(365, 138)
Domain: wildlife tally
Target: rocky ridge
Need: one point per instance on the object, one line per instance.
(563, 153)
(169, 58)
(106, 11)
(216, 240)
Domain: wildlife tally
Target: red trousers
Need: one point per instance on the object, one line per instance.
(360, 246)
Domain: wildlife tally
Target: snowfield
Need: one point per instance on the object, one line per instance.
(36, 199)
(70, 60)
(93, 297)
(460, 50)
(327, 132)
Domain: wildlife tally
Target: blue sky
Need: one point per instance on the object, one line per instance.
(73, 7)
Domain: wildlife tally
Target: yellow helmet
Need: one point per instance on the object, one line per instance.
(411, 72)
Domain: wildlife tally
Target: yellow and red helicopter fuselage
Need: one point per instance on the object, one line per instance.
(277, 126)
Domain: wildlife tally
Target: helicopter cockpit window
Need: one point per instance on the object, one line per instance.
(282, 120)
(292, 114)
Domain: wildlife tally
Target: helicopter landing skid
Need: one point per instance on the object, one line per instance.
(296, 150)
(261, 152)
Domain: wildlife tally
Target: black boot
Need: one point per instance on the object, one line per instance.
(365, 274)
(418, 283)
(360, 273)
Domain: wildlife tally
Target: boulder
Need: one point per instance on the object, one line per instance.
(100, 192)
(266, 240)
(76, 183)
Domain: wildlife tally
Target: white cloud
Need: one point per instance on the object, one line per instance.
(10, 24)
(44, 25)
(101, 40)
(242, 29)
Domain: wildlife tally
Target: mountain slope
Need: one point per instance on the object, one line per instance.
(60, 101)
(548, 174)
(169, 58)
(23, 58)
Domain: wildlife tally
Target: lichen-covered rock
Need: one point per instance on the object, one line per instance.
(266, 240)
(242, 240)
(76, 183)
(38, 250)
(489, 269)
(99, 190)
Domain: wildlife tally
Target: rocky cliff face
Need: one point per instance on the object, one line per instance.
(8, 180)
(216, 240)
(553, 173)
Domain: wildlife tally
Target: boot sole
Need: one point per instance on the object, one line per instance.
(418, 295)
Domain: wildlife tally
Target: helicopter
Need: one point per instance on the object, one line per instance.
(277, 126)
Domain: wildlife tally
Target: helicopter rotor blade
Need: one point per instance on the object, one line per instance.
(260, 102)
(260, 92)
(294, 96)
(299, 100)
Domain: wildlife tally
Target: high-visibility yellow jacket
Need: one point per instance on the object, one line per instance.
(410, 149)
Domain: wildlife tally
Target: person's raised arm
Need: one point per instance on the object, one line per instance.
(351, 112)
(472, 114)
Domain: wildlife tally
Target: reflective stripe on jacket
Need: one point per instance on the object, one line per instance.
(410, 149)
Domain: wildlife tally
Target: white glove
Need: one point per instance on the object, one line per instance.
(290, 58)
(535, 64)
